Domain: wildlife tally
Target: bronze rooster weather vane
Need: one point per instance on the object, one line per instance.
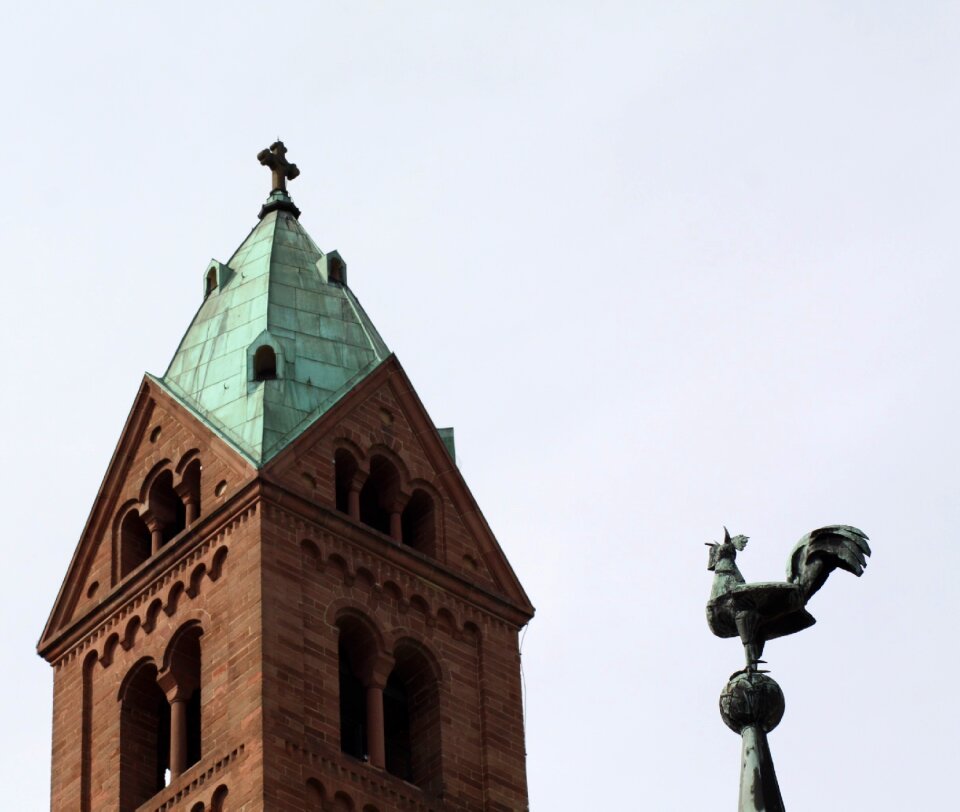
(752, 703)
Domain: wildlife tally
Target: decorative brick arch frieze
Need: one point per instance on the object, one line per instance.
(445, 621)
(377, 791)
(130, 633)
(202, 781)
(152, 615)
(196, 578)
(174, 596)
(171, 588)
(363, 577)
(217, 562)
(389, 584)
(109, 649)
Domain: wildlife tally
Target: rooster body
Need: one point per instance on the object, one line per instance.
(757, 612)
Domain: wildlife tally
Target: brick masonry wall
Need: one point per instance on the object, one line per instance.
(266, 570)
(169, 436)
(228, 609)
(377, 424)
(312, 576)
(315, 569)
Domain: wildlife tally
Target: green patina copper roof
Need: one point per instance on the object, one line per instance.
(277, 289)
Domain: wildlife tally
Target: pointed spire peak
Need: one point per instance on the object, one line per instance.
(278, 339)
(275, 158)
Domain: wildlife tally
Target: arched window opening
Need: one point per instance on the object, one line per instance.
(144, 738)
(211, 281)
(353, 709)
(264, 364)
(166, 508)
(411, 717)
(356, 650)
(345, 472)
(182, 680)
(190, 491)
(134, 543)
(418, 524)
(378, 494)
(396, 728)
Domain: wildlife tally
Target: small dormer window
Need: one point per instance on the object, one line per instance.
(211, 285)
(264, 364)
(337, 269)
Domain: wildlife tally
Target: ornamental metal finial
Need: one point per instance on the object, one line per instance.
(275, 157)
(752, 704)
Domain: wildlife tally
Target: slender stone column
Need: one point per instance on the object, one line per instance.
(376, 745)
(178, 736)
(353, 503)
(191, 507)
(177, 690)
(396, 525)
(156, 533)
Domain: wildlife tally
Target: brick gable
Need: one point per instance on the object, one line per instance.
(384, 416)
(159, 434)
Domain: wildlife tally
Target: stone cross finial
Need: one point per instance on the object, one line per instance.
(283, 170)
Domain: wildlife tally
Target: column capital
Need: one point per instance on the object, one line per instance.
(153, 523)
(175, 688)
(380, 670)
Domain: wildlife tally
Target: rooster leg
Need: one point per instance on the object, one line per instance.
(747, 623)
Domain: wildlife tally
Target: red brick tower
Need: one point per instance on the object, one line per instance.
(285, 597)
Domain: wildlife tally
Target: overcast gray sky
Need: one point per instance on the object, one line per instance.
(664, 266)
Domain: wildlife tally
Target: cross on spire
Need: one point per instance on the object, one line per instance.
(282, 170)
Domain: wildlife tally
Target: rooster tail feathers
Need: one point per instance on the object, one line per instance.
(821, 551)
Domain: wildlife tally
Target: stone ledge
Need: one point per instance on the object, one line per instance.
(196, 777)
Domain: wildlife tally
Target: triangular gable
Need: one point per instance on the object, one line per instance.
(472, 551)
(160, 432)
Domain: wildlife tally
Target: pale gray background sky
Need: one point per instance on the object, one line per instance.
(664, 266)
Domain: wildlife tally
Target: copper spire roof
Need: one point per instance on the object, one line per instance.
(278, 290)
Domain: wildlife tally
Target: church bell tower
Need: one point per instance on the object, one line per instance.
(285, 597)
